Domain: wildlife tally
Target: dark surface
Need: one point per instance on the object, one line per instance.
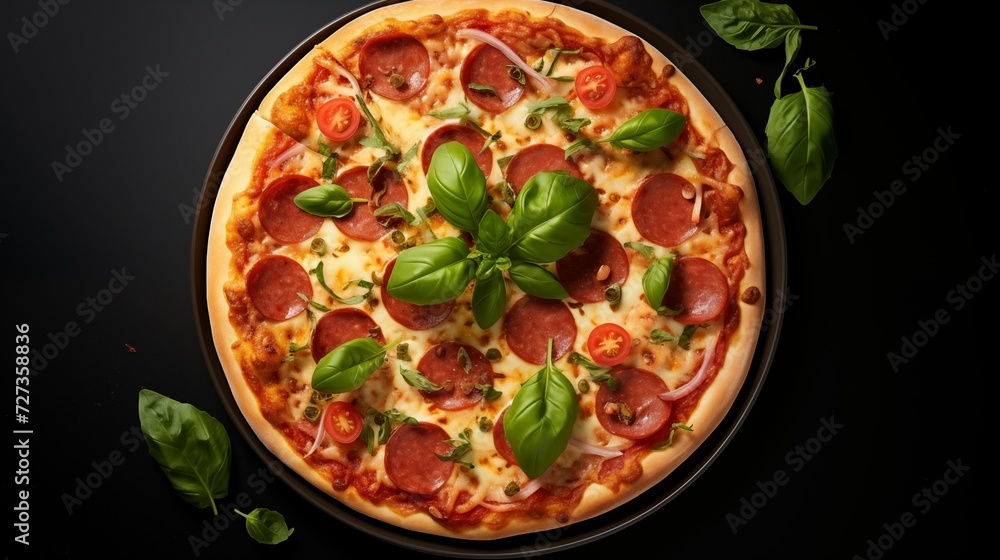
(125, 213)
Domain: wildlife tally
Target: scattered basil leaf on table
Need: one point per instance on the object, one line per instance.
(801, 142)
(540, 419)
(750, 24)
(190, 445)
(266, 526)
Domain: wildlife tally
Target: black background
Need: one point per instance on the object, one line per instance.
(126, 210)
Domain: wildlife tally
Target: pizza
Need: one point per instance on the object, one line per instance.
(478, 272)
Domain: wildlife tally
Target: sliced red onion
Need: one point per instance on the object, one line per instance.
(698, 196)
(698, 379)
(498, 495)
(541, 82)
(320, 432)
(336, 68)
(590, 449)
(288, 154)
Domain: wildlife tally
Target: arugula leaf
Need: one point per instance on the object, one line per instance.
(190, 445)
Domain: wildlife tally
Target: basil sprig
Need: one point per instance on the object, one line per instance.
(327, 200)
(349, 365)
(752, 25)
(540, 419)
(266, 526)
(551, 217)
(801, 142)
(190, 445)
(646, 131)
(378, 426)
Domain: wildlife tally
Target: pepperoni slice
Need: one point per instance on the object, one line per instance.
(472, 140)
(395, 66)
(443, 365)
(274, 284)
(578, 270)
(410, 460)
(660, 211)
(280, 217)
(487, 66)
(340, 326)
(412, 316)
(361, 223)
(635, 410)
(535, 158)
(532, 321)
(500, 442)
(699, 286)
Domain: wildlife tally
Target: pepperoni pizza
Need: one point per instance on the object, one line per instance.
(477, 272)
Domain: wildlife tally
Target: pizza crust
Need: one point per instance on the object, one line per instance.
(715, 402)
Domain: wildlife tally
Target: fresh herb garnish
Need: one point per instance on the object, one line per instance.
(266, 526)
(459, 447)
(801, 143)
(540, 419)
(327, 200)
(190, 445)
(551, 217)
(670, 439)
(416, 379)
(378, 426)
(646, 131)
(349, 365)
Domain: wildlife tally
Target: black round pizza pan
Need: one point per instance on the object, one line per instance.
(579, 533)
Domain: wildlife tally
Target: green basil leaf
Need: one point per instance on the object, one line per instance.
(644, 250)
(801, 143)
(540, 419)
(656, 280)
(190, 445)
(540, 107)
(379, 141)
(551, 216)
(266, 526)
(431, 273)
(494, 235)
(349, 365)
(407, 157)
(489, 300)
(416, 379)
(750, 24)
(458, 186)
(536, 281)
(327, 200)
(353, 300)
(647, 131)
(793, 42)
(457, 112)
(483, 87)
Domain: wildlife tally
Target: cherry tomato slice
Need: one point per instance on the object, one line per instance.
(595, 86)
(338, 119)
(609, 344)
(343, 422)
